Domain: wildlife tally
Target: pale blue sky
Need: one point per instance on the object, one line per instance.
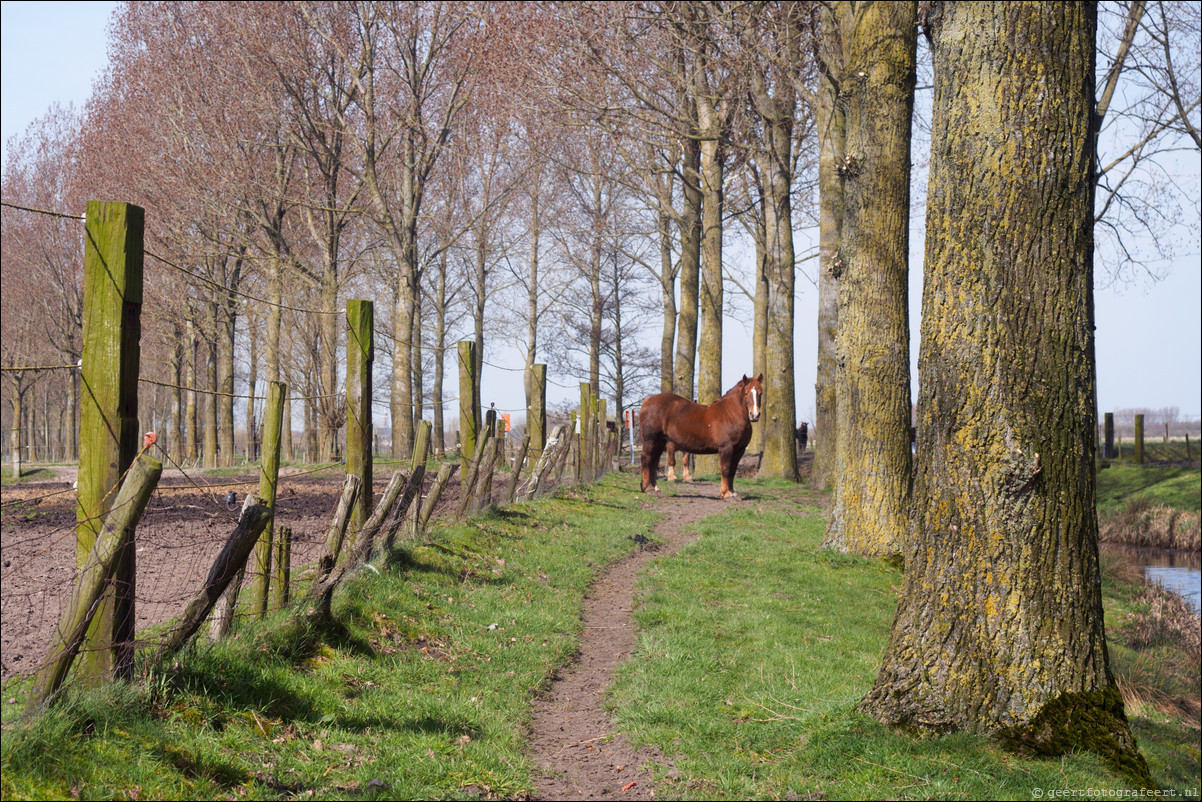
(1149, 338)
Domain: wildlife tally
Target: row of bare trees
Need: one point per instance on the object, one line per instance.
(529, 173)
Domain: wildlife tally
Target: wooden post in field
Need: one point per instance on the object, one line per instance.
(469, 414)
(417, 473)
(112, 327)
(1139, 439)
(536, 416)
(93, 577)
(601, 447)
(269, 474)
(584, 426)
(360, 353)
(1108, 451)
(575, 429)
(493, 426)
(283, 566)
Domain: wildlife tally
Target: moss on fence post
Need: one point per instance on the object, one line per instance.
(112, 328)
(360, 353)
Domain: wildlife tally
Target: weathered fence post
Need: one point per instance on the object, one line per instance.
(1139, 439)
(471, 476)
(350, 488)
(224, 571)
(518, 463)
(421, 453)
(116, 536)
(536, 415)
(283, 565)
(440, 482)
(1108, 451)
(602, 447)
(269, 474)
(360, 352)
(584, 427)
(112, 328)
(469, 413)
(492, 422)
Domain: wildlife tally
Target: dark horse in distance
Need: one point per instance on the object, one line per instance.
(722, 428)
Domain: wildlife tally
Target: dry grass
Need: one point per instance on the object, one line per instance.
(1146, 526)
(1165, 638)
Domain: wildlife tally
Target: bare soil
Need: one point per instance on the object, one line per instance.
(572, 737)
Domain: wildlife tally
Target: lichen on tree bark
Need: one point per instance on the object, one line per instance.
(999, 629)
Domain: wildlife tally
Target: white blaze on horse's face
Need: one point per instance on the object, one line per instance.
(754, 412)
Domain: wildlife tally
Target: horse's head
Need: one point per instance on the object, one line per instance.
(753, 396)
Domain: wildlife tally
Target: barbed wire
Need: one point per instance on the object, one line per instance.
(41, 367)
(236, 395)
(42, 211)
(232, 291)
(35, 499)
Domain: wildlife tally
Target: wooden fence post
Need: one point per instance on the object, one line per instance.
(223, 572)
(112, 327)
(469, 413)
(492, 424)
(601, 448)
(283, 566)
(98, 567)
(536, 416)
(585, 421)
(360, 353)
(269, 474)
(1108, 451)
(471, 476)
(421, 453)
(1139, 439)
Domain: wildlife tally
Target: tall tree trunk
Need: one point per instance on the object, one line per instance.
(532, 313)
(191, 417)
(252, 356)
(440, 349)
(225, 362)
(667, 283)
(176, 441)
(210, 399)
(999, 629)
(834, 22)
(780, 404)
(14, 433)
(759, 315)
(690, 269)
(327, 368)
(870, 514)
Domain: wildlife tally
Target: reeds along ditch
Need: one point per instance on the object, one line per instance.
(1146, 526)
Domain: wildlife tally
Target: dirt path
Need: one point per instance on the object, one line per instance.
(573, 739)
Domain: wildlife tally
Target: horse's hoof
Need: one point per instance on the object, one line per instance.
(731, 496)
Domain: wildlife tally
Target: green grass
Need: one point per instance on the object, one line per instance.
(425, 685)
(1177, 487)
(757, 645)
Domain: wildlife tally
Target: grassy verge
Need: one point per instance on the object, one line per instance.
(756, 647)
(1176, 487)
(422, 692)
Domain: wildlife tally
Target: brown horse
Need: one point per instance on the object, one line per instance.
(722, 428)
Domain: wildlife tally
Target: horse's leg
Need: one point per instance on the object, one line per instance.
(729, 461)
(650, 463)
(686, 463)
(672, 461)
